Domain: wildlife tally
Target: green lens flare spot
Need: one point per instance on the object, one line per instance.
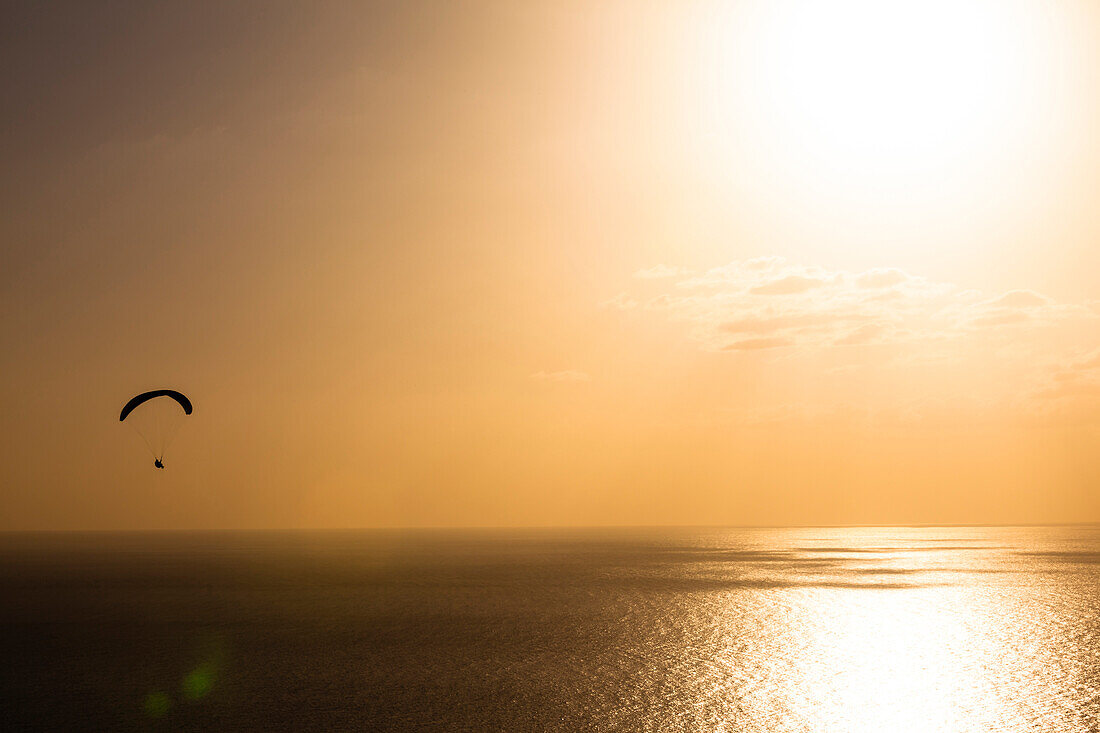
(197, 683)
(156, 704)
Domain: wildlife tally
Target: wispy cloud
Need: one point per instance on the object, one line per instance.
(880, 278)
(770, 303)
(622, 302)
(1074, 378)
(756, 344)
(789, 285)
(1020, 299)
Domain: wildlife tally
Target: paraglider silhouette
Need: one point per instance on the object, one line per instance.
(156, 416)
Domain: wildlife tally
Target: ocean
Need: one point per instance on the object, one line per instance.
(885, 629)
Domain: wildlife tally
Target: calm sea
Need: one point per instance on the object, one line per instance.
(827, 629)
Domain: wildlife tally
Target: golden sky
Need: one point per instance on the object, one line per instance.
(549, 263)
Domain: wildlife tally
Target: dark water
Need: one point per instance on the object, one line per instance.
(884, 629)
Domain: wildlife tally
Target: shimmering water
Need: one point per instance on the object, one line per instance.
(881, 629)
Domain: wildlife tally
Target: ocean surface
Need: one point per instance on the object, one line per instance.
(952, 629)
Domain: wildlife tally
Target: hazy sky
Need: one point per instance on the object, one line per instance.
(528, 263)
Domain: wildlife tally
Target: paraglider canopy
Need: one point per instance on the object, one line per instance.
(146, 396)
(156, 416)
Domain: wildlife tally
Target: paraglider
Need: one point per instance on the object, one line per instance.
(156, 416)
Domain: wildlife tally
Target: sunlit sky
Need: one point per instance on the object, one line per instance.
(546, 263)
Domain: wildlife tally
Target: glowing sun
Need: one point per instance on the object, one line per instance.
(876, 93)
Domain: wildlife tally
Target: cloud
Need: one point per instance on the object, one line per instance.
(884, 296)
(769, 302)
(738, 273)
(1016, 307)
(770, 322)
(763, 263)
(1089, 361)
(865, 334)
(790, 285)
(880, 278)
(566, 375)
(1020, 299)
(665, 301)
(1074, 378)
(1005, 317)
(661, 271)
(622, 302)
(755, 344)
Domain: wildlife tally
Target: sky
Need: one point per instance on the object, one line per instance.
(551, 263)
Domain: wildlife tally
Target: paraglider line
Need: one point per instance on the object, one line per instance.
(144, 440)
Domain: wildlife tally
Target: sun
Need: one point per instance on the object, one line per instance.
(866, 98)
(871, 82)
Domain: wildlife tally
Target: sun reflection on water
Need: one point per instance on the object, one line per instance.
(921, 637)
